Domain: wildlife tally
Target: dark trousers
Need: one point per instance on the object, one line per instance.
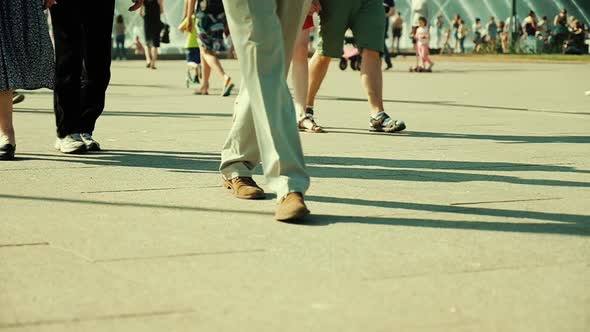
(83, 59)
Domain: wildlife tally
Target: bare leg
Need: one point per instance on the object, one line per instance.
(6, 127)
(372, 79)
(318, 68)
(206, 76)
(154, 57)
(148, 58)
(300, 73)
(211, 59)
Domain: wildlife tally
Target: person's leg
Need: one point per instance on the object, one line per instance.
(333, 24)
(210, 57)
(372, 79)
(300, 73)
(386, 55)
(6, 125)
(67, 31)
(97, 63)
(148, 57)
(318, 68)
(204, 89)
(153, 57)
(267, 110)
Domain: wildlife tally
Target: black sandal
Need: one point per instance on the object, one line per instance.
(314, 126)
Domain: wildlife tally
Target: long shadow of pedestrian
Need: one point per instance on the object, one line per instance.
(451, 104)
(513, 227)
(506, 139)
(332, 167)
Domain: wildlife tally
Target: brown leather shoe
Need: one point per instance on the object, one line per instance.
(291, 208)
(244, 188)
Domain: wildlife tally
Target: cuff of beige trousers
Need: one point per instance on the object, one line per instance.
(237, 169)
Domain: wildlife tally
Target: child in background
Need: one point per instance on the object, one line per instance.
(423, 44)
(120, 52)
(193, 55)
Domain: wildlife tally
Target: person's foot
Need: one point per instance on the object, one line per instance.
(291, 208)
(227, 87)
(90, 142)
(389, 66)
(203, 90)
(244, 188)
(71, 144)
(308, 123)
(383, 123)
(17, 98)
(7, 151)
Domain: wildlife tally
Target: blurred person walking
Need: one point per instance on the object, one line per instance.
(83, 59)
(389, 6)
(120, 51)
(492, 34)
(397, 23)
(477, 37)
(211, 27)
(152, 24)
(439, 27)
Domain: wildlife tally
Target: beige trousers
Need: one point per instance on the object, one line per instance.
(264, 129)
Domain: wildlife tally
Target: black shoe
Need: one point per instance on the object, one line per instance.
(7, 152)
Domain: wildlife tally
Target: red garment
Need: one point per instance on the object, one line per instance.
(308, 22)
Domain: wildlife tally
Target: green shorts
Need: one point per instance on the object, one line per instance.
(366, 19)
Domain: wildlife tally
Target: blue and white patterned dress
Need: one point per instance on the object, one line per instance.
(26, 52)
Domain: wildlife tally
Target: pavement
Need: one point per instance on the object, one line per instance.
(477, 218)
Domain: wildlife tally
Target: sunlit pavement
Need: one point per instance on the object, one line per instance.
(474, 219)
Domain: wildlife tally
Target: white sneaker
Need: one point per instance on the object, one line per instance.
(71, 144)
(91, 144)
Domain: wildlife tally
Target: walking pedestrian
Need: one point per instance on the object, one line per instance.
(364, 18)
(389, 6)
(300, 74)
(439, 26)
(264, 32)
(83, 60)
(423, 44)
(397, 23)
(26, 60)
(477, 38)
(120, 51)
(211, 26)
(492, 32)
(152, 23)
(456, 24)
(462, 34)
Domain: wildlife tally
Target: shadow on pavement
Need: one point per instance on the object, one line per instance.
(506, 139)
(513, 227)
(136, 114)
(574, 227)
(450, 104)
(338, 167)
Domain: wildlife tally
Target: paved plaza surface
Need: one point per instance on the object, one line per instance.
(477, 218)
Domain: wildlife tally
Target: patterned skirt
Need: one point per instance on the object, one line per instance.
(26, 52)
(211, 31)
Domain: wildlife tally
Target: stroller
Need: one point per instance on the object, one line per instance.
(350, 54)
